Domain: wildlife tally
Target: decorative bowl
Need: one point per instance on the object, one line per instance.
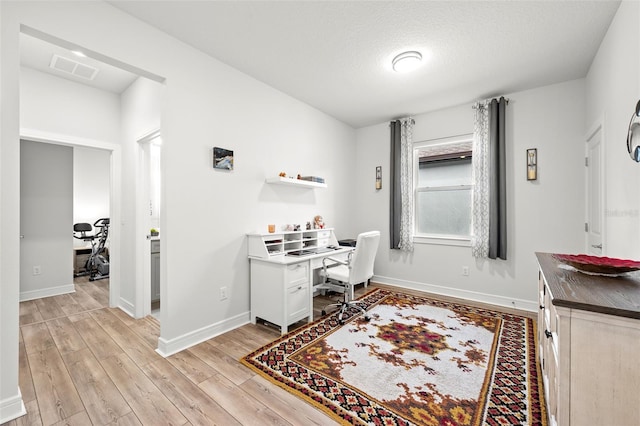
(598, 264)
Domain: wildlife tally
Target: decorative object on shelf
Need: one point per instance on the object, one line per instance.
(598, 265)
(379, 177)
(296, 227)
(532, 164)
(308, 226)
(288, 227)
(311, 178)
(154, 232)
(222, 158)
(271, 228)
(633, 140)
(282, 174)
(318, 223)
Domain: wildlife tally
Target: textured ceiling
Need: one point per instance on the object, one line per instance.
(335, 55)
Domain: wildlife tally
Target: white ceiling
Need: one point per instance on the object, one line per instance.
(335, 55)
(36, 53)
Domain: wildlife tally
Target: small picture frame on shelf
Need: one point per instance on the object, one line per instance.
(222, 158)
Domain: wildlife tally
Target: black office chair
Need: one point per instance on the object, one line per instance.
(344, 276)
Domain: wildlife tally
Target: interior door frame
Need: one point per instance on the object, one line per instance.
(597, 126)
(115, 196)
(143, 249)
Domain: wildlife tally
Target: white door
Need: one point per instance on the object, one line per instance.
(594, 214)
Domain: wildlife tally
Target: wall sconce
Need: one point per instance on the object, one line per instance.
(532, 164)
(633, 147)
(379, 177)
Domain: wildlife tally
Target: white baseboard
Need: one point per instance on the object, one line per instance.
(12, 408)
(492, 299)
(175, 345)
(127, 306)
(46, 292)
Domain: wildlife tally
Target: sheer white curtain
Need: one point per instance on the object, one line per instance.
(406, 185)
(480, 179)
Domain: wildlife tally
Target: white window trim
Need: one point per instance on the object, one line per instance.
(448, 240)
(443, 240)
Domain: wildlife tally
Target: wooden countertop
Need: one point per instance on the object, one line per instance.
(619, 296)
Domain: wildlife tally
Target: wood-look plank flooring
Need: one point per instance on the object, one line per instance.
(83, 363)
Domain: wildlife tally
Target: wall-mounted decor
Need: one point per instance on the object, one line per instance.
(222, 158)
(379, 177)
(633, 135)
(532, 164)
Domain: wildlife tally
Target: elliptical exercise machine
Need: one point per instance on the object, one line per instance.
(97, 266)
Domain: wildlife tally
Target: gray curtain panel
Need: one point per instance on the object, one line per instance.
(497, 180)
(395, 203)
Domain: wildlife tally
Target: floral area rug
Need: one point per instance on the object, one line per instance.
(417, 361)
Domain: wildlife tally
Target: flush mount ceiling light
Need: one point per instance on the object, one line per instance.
(406, 61)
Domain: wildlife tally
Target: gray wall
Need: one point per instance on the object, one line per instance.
(46, 219)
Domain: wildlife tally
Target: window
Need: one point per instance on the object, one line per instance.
(442, 185)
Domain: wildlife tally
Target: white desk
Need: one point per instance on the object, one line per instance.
(282, 286)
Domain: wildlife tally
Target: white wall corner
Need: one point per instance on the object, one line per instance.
(127, 307)
(506, 302)
(47, 292)
(167, 347)
(12, 408)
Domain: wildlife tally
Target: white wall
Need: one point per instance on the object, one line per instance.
(46, 208)
(545, 215)
(141, 109)
(62, 107)
(206, 213)
(613, 89)
(91, 180)
(11, 404)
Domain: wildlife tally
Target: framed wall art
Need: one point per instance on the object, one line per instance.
(222, 158)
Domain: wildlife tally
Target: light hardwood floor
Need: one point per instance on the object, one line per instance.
(84, 363)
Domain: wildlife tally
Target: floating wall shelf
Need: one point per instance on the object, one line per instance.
(295, 182)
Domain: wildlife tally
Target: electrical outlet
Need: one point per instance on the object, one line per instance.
(37, 270)
(465, 271)
(223, 293)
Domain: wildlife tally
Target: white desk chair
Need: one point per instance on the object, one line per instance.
(343, 276)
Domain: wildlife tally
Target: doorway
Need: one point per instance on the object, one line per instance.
(148, 217)
(594, 163)
(75, 109)
(36, 253)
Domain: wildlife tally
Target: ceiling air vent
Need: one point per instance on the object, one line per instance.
(72, 67)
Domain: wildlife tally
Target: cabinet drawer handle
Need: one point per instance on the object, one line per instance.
(548, 334)
(300, 288)
(541, 306)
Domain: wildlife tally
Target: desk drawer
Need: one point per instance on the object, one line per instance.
(297, 302)
(297, 273)
(324, 234)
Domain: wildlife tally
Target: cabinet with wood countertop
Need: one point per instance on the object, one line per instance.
(589, 345)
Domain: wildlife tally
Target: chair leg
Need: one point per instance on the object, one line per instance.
(344, 305)
(337, 305)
